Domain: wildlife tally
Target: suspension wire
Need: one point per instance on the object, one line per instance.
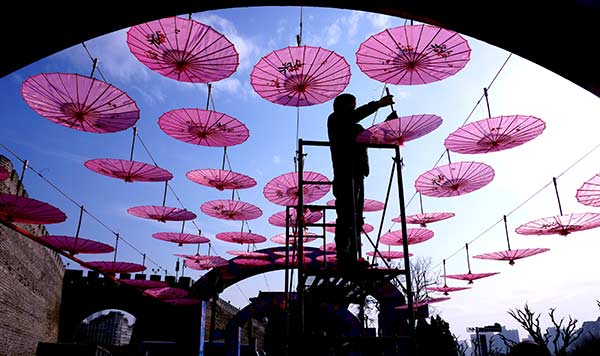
(94, 63)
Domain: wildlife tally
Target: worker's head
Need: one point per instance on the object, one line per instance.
(344, 102)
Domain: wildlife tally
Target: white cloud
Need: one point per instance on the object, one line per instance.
(333, 34)
(378, 21)
(276, 159)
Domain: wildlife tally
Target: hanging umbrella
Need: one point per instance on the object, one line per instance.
(589, 192)
(231, 210)
(184, 50)
(144, 283)
(412, 55)
(327, 257)
(425, 218)
(293, 252)
(199, 258)
(161, 213)
(494, 134)
(80, 103)
(283, 189)
(388, 255)
(511, 255)
(181, 238)
(129, 171)
(414, 236)
(203, 127)
(183, 301)
(16, 209)
(366, 228)
(241, 237)
(205, 264)
(300, 76)
(306, 238)
(470, 277)
(112, 267)
(166, 292)
(221, 179)
(330, 247)
(292, 261)
(426, 301)
(254, 262)
(76, 245)
(249, 254)
(309, 217)
(401, 130)
(369, 205)
(4, 173)
(454, 179)
(445, 289)
(561, 224)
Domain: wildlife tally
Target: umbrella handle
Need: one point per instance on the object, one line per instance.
(387, 91)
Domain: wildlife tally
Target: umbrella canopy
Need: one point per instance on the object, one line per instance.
(561, 224)
(129, 171)
(231, 210)
(221, 179)
(184, 50)
(80, 103)
(369, 205)
(4, 173)
(366, 228)
(167, 292)
(144, 283)
(309, 217)
(425, 218)
(283, 189)
(249, 254)
(254, 262)
(401, 130)
(181, 238)
(203, 127)
(589, 192)
(445, 289)
(388, 255)
(494, 134)
(412, 55)
(470, 277)
(327, 257)
(112, 267)
(161, 213)
(306, 237)
(414, 236)
(511, 255)
(454, 179)
(205, 264)
(16, 209)
(330, 247)
(241, 237)
(300, 76)
(292, 261)
(75, 245)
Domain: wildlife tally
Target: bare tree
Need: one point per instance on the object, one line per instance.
(530, 322)
(421, 277)
(565, 336)
(461, 346)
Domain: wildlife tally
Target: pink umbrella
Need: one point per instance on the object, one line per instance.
(16, 209)
(199, 258)
(330, 247)
(183, 301)
(425, 218)
(366, 228)
(412, 55)
(511, 255)
(327, 257)
(368, 206)
(184, 50)
(401, 130)
(254, 262)
(445, 289)
(454, 179)
(4, 174)
(306, 237)
(249, 254)
(181, 238)
(231, 210)
(221, 179)
(470, 277)
(589, 192)
(161, 213)
(80, 103)
(415, 236)
(112, 267)
(167, 292)
(75, 245)
(203, 127)
(300, 76)
(494, 134)
(309, 217)
(144, 283)
(129, 171)
(284, 190)
(293, 252)
(241, 237)
(388, 255)
(205, 264)
(560, 224)
(426, 301)
(293, 261)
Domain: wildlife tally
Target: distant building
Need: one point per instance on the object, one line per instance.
(112, 328)
(589, 329)
(493, 341)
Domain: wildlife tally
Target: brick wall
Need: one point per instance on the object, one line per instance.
(30, 285)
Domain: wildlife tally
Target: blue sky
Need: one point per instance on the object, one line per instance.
(565, 277)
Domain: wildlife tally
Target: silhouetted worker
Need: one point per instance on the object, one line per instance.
(350, 165)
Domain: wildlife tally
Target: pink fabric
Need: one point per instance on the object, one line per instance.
(255, 262)
(511, 255)
(560, 224)
(412, 55)
(470, 277)
(401, 130)
(427, 301)
(330, 247)
(306, 237)
(241, 237)
(16, 209)
(184, 50)
(181, 238)
(494, 134)
(366, 228)
(310, 217)
(425, 218)
(300, 76)
(161, 213)
(415, 236)
(454, 179)
(231, 210)
(112, 267)
(328, 257)
(80, 103)
(203, 127)
(75, 245)
(221, 179)
(292, 261)
(589, 192)
(283, 189)
(205, 264)
(369, 205)
(144, 283)
(388, 255)
(129, 171)
(445, 289)
(4, 174)
(249, 254)
(166, 292)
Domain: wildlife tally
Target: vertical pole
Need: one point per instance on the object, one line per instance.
(165, 193)
(387, 197)
(506, 230)
(81, 210)
(20, 182)
(487, 102)
(202, 326)
(133, 143)
(557, 196)
(300, 233)
(468, 261)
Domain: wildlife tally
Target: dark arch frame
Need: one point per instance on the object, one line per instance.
(559, 36)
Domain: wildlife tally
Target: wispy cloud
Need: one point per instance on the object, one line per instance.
(378, 21)
(276, 159)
